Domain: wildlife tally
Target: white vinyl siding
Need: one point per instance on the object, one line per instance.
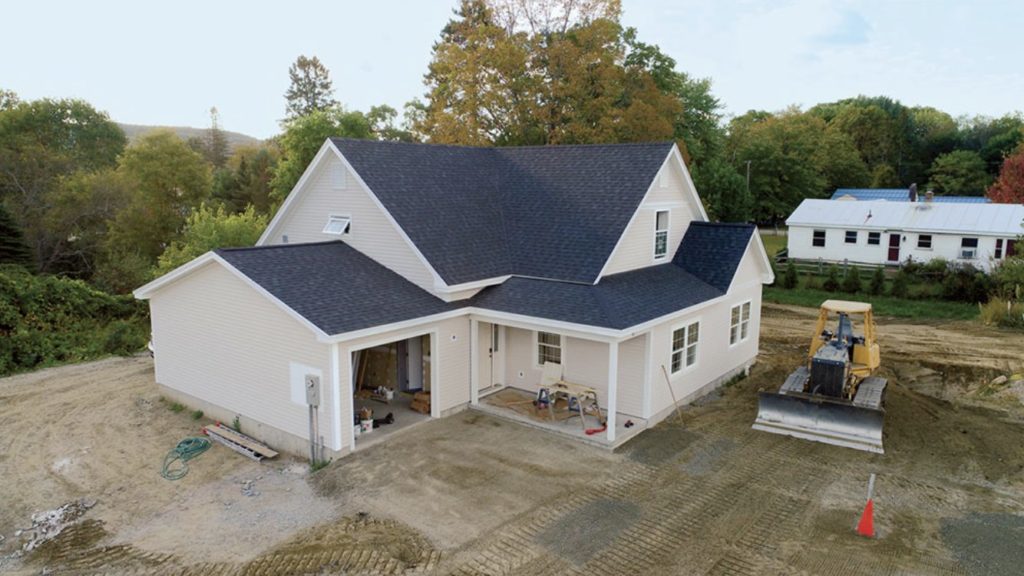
(371, 232)
(739, 327)
(634, 249)
(219, 340)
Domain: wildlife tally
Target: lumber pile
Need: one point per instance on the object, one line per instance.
(421, 402)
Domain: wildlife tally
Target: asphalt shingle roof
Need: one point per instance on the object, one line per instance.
(543, 211)
(712, 252)
(333, 285)
(339, 289)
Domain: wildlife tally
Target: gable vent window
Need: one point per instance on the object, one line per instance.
(337, 176)
(661, 234)
(338, 225)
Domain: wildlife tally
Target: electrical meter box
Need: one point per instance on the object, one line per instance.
(312, 390)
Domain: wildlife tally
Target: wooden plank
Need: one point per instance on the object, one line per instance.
(241, 440)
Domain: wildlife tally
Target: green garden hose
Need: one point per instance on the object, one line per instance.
(186, 450)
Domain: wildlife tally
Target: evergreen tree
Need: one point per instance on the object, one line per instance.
(852, 283)
(877, 285)
(831, 282)
(13, 249)
(311, 89)
(900, 289)
(790, 279)
(216, 141)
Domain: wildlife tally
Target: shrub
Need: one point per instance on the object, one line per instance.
(197, 414)
(831, 282)
(966, 284)
(935, 269)
(176, 407)
(877, 285)
(852, 283)
(1007, 279)
(790, 280)
(900, 287)
(811, 281)
(1002, 313)
(124, 338)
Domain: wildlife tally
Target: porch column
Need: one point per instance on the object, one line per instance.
(474, 362)
(613, 387)
(348, 407)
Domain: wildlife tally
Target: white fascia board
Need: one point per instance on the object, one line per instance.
(296, 190)
(909, 229)
(638, 329)
(320, 334)
(767, 277)
(144, 292)
(582, 331)
(380, 206)
(675, 153)
(672, 154)
(484, 283)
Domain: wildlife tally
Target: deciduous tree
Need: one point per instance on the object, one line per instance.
(959, 173)
(1009, 187)
(209, 228)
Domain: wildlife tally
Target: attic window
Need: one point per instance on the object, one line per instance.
(337, 225)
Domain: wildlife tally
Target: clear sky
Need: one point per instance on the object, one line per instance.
(167, 63)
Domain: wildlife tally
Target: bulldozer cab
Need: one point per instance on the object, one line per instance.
(861, 329)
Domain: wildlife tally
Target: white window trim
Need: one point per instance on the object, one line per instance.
(536, 347)
(856, 237)
(667, 230)
(334, 217)
(683, 368)
(870, 243)
(931, 242)
(750, 312)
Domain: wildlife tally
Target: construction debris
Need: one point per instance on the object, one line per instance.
(49, 524)
(421, 402)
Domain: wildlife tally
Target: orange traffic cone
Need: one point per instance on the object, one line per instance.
(866, 526)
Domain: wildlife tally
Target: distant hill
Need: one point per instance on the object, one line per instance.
(235, 139)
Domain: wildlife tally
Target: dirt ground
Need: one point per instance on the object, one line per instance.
(471, 494)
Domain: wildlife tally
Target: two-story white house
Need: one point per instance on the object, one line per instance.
(474, 267)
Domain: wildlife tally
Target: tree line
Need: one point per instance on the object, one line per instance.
(78, 200)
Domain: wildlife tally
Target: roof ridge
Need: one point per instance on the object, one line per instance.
(480, 147)
(272, 246)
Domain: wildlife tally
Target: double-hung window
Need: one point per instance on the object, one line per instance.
(549, 348)
(874, 238)
(924, 241)
(818, 240)
(660, 234)
(851, 236)
(999, 248)
(739, 329)
(684, 346)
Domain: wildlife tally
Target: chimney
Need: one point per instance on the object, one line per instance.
(929, 196)
(912, 193)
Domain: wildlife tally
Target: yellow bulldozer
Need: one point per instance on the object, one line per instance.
(835, 398)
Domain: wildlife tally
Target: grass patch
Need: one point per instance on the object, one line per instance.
(197, 414)
(883, 305)
(773, 243)
(176, 407)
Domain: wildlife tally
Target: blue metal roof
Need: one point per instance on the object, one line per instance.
(901, 195)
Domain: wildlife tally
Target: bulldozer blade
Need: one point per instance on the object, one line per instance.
(820, 420)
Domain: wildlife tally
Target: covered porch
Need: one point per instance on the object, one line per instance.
(508, 355)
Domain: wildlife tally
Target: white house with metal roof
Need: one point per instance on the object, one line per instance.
(463, 272)
(885, 232)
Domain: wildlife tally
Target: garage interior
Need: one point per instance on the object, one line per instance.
(391, 387)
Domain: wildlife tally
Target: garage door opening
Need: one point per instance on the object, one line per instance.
(391, 387)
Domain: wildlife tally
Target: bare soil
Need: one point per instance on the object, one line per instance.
(471, 494)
